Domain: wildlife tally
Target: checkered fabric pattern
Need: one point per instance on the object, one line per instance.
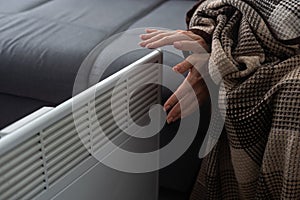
(255, 52)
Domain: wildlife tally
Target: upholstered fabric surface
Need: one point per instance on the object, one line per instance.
(43, 45)
(13, 108)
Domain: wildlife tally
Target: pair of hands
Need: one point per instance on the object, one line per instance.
(180, 104)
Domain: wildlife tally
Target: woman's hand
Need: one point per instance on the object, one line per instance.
(181, 103)
(158, 38)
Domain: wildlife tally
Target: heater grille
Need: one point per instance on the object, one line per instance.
(63, 146)
(38, 155)
(22, 170)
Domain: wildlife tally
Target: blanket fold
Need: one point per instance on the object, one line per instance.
(255, 53)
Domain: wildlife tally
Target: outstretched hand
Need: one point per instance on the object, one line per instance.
(187, 39)
(181, 103)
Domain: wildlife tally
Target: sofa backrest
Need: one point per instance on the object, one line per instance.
(43, 43)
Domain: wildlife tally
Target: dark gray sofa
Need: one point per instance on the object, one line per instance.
(43, 44)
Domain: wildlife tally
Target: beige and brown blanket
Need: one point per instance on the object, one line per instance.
(255, 52)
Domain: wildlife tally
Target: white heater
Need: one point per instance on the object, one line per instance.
(48, 154)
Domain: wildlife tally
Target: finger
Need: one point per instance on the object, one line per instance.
(194, 60)
(174, 114)
(198, 61)
(155, 37)
(150, 30)
(167, 40)
(192, 103)
(193, 46)
(178, 94)
(182, 108)
(187, 105)
(199, 86)
(170, 102)
(182, 67)
(151, 34)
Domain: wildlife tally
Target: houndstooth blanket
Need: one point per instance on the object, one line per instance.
(255, 52)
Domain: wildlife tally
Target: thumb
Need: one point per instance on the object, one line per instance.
(182, 67)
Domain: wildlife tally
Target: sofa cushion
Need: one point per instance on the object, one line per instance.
(106, 16)
(42, 48)
(13, 108)
(39, 59)
(15, 6)
(170, 15)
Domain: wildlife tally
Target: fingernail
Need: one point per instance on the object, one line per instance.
(177, 45)
(142, 36)
(142, 44)
(170, 120)
(149, 45)
(176, 68)
(167, 107)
